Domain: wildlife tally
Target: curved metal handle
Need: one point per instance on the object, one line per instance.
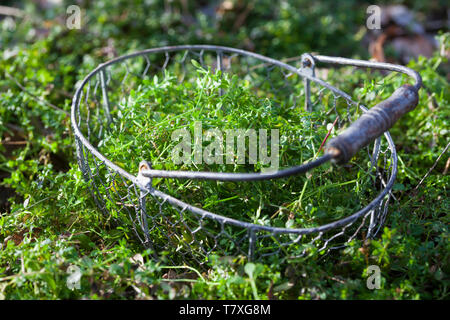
(340, 149)
(373, 124)
(147, 172)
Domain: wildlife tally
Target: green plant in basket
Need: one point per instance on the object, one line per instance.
(162, 113)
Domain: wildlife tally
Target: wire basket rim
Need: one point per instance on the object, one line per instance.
(204, 213)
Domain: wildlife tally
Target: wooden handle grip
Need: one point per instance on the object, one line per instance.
(373, 124)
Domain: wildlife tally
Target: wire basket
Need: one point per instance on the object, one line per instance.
(178, 231)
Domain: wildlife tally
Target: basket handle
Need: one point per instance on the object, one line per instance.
(340, 149)
(372, 124)
(377, 119)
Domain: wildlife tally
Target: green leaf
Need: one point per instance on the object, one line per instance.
(250, 269)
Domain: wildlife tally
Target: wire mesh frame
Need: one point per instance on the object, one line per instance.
(195, 233)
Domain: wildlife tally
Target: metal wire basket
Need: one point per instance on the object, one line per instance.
(178, 231)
